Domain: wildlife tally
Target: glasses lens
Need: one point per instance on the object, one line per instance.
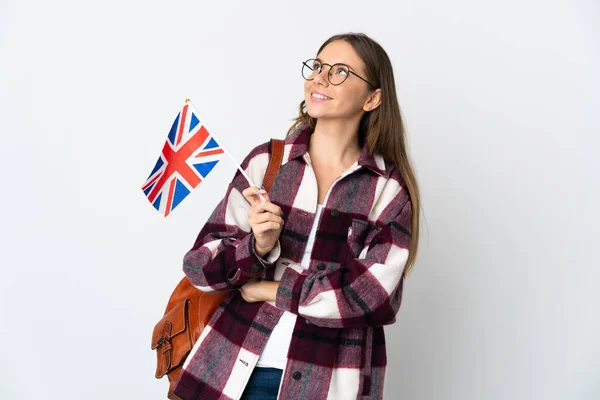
(310, 67)
(338, 74)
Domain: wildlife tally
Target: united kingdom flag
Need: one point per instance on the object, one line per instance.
(189, 154)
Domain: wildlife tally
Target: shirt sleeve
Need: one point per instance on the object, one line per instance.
(223, 256)
(366, 291)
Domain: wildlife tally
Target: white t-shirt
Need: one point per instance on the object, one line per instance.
(274, 354)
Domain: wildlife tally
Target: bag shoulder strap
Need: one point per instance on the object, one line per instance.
(274, 163)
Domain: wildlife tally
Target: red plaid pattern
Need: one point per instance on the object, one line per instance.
(353, 285)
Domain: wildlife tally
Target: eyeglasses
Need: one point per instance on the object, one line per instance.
(338, 73)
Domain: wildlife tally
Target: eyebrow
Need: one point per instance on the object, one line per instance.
(323, 62)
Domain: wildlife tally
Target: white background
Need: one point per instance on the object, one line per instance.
(501, 106)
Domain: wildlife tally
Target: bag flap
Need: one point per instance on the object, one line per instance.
(172, 324)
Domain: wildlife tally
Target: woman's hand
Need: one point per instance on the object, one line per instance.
(255, 290)
(265, 219)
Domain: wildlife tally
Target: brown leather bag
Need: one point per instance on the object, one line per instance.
(190, 309)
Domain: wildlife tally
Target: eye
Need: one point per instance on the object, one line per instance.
(340, 70)
(316, 66)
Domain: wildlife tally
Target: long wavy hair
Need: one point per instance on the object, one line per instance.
(381, 129)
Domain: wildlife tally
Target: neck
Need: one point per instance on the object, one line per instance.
(335, 144)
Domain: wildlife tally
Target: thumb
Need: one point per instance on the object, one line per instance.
(263, 192)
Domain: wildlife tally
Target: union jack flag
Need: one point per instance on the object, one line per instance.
(188, 156)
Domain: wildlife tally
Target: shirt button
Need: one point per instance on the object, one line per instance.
(321, 266)
(255, 268)
(297, 375)
(335, 213)
(307, 322)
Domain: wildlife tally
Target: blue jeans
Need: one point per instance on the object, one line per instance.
(263, 384)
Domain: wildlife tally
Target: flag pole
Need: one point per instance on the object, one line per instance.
(239, 167)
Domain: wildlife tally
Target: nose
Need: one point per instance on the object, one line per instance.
(321, 77)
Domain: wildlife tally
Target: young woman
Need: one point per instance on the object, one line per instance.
(315, 267)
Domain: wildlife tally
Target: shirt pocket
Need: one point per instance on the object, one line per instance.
(360, 235)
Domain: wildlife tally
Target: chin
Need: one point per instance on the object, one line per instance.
(314, 112)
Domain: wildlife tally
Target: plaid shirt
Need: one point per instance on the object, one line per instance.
(353, 285)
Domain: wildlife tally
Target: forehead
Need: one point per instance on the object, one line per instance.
(341, 51)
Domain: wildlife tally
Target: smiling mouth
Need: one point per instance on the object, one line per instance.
(320, 96)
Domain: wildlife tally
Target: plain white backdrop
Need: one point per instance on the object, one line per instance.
(501, 105)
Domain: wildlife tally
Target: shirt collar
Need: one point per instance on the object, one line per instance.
(299, 140)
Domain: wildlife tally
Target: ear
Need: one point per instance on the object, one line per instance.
(373, 101)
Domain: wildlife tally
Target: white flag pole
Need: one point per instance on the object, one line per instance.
(214, 136)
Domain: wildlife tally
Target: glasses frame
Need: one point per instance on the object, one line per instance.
(305, 63)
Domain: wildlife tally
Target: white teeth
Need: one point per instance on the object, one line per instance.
(320, 96)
